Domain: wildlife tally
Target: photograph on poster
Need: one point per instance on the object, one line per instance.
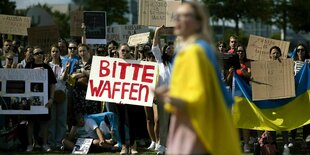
(20, 103)
(36, 87)
(15, 87)
(15, 103)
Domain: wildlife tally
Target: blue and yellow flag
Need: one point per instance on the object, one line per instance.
(279, 115)
(196, 80)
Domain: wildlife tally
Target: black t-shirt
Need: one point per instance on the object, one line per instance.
(50, 73)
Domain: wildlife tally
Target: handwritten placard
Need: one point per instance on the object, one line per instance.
(14, 24)
(259, 47)
(23, 91)
(76, 20)
(141, 38)
(122, 81)
(157, 13)
(43, 37)
(121, 33)
(167, 31)
(272, 79)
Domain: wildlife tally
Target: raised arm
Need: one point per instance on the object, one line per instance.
(156, 40)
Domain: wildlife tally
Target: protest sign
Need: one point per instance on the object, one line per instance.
(76, 20)
(82, 146)
(96, 27)
(43, 37)
(167, 31)
(141, 38)
(23, 91)
(122, 81)
(272, 80)
(121, 33)
(157, 13)
(14, 24)
(259, 47)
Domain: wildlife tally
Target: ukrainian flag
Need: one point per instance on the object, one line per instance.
(279, 115)
(196, 80)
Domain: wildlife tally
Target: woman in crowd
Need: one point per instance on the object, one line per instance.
(70, 60)
(58, 123)
(245, 73)
(38, 63)
(80, 76)
(275, 53)
(221, 47)
(300, 58)
(152, 116)
(164, 60)
(197, 96)
(124, 53)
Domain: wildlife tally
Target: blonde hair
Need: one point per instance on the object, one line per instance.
(202, 16)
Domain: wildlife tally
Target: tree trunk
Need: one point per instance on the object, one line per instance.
(237, 26)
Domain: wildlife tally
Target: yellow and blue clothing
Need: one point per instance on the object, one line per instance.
(196, 80)
(113, 120)
(280, 114)
(73, 61)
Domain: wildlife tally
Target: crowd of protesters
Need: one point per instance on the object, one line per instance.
(121, 126)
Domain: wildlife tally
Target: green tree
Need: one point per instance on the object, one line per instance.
(298, 15)
(60, 19)
(115, 9)
(7, 7)
(240, 10)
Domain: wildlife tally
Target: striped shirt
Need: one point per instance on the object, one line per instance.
(298, 65)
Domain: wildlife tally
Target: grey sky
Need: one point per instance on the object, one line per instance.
(22, 4)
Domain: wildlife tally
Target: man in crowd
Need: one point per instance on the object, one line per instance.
(112, 45)
(28, 53)
(63, 47)
(233, 43)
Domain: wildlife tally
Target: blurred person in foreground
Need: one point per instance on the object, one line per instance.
(201, 122)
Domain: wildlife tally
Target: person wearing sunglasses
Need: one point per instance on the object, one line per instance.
(200, 120)
(42, 120)
(9, 60)
(131, 110)
(71, 57)
(300, 58)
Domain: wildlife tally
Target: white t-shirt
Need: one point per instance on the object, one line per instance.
(88, 130)
(58, 71)
(164, 71)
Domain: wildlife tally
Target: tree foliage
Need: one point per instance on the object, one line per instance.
(7, 7)
(116, 9)
(298, 15)
(238, 10)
